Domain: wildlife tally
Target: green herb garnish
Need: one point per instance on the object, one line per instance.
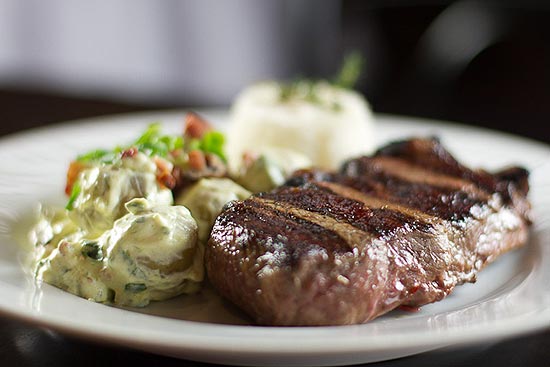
(152, 133)
(153, 143)
(306, 89)
(135, 287)
(75, 191)
(212, 142)
(300, 88)
(98, 155)
(350, 71)
(93, 250)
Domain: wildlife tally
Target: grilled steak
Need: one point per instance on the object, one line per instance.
(400, 228)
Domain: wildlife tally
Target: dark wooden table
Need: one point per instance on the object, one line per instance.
(26, 345)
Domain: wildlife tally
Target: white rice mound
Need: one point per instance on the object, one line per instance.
(337, 126)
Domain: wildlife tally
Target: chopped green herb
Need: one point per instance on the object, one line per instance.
(100, 155)
(111, 294)
(172, 142)
(42, 262)
(135, 205)
(93, 250)
(212, 142)
(75, 191)
(194, 144)
(135, 287)
(288, 90)
(152, 132)
(299, 88)
(350, 71)
(152, 149)
(306, 89)
(152, 143)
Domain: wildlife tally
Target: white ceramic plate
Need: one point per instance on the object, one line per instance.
(512, 296)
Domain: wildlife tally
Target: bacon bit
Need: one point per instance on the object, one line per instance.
(409, 308)
(164, 173)
(129, 153)
(195, 126)
(168, 180)
(74, 170)
(197, 160)
(176, 153)
(161, 164)
(178, 177)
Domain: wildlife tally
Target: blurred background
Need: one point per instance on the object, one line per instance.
(485, 63)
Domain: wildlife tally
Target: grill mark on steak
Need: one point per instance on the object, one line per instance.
(378, 203)
(431, 154)
(445, 203)
(339, 248)
(405, 171)
(354, 237)
(366, 215)
(292, 231)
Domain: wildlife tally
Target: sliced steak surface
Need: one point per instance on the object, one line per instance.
(402, 227)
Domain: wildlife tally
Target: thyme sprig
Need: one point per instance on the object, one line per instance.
(306, 89)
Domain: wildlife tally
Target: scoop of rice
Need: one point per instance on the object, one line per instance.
(326, 123)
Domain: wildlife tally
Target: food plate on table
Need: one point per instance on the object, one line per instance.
(511, 296)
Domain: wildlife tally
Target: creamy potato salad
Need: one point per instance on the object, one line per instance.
(149, 253)
(120, 239)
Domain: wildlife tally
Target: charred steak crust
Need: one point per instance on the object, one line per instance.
(402, 227)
